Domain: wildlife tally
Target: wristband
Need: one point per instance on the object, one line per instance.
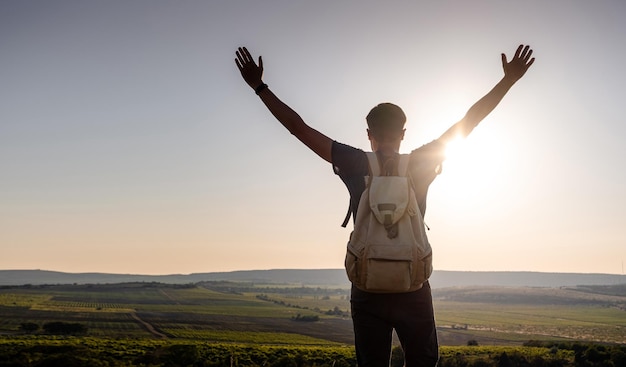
(260, 88)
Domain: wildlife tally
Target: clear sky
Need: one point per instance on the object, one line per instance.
(130, 144)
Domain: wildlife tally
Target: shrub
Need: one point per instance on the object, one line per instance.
(29, 327)
(64, 328)
(312, 318)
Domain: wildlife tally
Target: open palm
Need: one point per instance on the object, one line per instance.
(519, 64)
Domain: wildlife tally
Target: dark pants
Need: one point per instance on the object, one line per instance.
(411, 314)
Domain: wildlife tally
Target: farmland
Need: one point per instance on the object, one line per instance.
(243, 312)
(158, 310)
(154, 316)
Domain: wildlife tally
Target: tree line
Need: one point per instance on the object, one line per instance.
(55, 328)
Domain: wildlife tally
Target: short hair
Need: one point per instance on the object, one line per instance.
(386, 117)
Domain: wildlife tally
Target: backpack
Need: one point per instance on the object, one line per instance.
(388, 250)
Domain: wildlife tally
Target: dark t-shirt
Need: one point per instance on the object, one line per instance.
(351, 165)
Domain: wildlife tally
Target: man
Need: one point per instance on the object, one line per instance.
(376, 315)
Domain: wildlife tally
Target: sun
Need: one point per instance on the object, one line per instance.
(473, 168)
(479, 167)
(474, 153)
(454, 149)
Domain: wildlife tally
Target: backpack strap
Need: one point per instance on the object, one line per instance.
(403, 165)
(348, 215)
(373, 164)
(374, 170)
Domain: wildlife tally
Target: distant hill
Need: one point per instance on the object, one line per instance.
(314, 277)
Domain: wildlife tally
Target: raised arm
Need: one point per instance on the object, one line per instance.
(253, 75)
(513, 71)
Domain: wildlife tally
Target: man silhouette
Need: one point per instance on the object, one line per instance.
(376, 315)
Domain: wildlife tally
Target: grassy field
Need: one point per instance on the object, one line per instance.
(260, 314)
(533, 313)
(83, 351)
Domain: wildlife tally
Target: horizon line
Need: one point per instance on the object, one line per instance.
(303, 269)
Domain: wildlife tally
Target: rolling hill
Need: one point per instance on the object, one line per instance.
(313, 277)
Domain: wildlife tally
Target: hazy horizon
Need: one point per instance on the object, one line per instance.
(298, 269)
(130, 143)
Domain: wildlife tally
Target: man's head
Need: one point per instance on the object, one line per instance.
(385, 127)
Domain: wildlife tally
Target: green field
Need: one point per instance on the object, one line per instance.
(179, 312)
(241, 324)
(262, 314)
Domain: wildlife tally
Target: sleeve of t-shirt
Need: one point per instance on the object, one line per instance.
(348, 161)
(424, 165)
(350, 164)
(427, 160)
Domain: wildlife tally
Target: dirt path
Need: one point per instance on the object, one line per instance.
(169, 297)
(148, 327)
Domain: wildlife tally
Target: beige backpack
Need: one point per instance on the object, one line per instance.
(388, 250)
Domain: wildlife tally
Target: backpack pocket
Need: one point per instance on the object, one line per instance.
(352, 266)
(389, 268)
(422, 269)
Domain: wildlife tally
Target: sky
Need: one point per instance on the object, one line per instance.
(130, 144)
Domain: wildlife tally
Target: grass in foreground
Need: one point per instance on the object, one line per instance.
(87, 351)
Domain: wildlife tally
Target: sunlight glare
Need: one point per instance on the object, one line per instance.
(479, 168)
(455, 148)
(473, 169)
